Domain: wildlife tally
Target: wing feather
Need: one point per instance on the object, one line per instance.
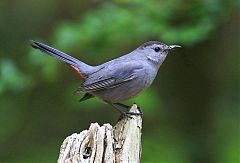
(118, 76)
(103, 84)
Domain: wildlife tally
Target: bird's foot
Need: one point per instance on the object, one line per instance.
(132, 113)
(129, 114)
(125, 115)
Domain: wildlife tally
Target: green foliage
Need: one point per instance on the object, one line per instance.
(11, 78)
(45, 65)
(169, 148)
(173, 21)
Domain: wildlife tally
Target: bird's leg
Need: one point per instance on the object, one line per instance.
(123, 113)
(127, 107)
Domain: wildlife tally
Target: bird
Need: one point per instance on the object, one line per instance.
(117, 80)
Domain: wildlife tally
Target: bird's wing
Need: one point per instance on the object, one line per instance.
(112, 77)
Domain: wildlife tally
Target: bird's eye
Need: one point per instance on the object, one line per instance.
(157, 49)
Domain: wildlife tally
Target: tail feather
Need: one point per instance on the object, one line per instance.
(55, 53)
(83, 67)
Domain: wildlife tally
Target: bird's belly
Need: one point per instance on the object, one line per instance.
(123, 92)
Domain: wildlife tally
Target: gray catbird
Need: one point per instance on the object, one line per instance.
(119, 79)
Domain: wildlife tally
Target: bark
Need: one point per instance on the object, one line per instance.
(118, 144)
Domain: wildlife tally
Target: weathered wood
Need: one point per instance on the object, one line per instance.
(119, 144)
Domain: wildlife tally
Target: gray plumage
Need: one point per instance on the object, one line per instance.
(119, 79)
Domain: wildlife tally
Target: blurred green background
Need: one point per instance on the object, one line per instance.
(191, 112)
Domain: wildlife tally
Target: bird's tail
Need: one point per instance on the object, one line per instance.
(83, 67)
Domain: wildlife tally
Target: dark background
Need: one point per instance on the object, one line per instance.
(191, 112)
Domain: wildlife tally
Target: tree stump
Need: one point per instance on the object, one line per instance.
(118, 144)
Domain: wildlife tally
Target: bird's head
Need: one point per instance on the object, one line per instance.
(155, 50)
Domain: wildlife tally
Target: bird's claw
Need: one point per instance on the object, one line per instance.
(128, 114)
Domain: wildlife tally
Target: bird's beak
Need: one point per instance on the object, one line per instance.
(170, 47)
